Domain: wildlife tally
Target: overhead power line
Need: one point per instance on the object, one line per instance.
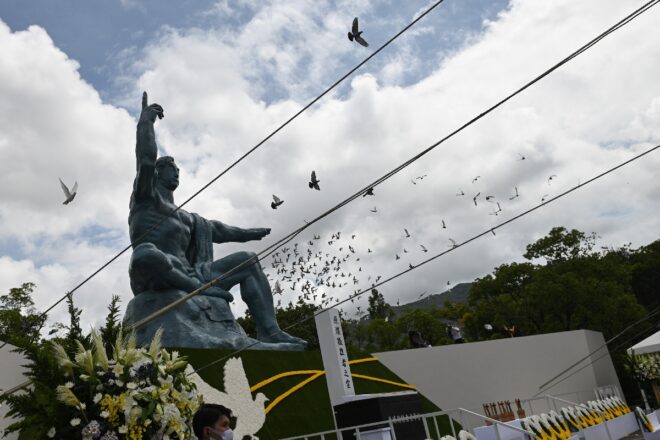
(618, 346)
(570, 367)
(240, 159)
(391, 173)
(289, 237)
(458, 245)
(617, 26)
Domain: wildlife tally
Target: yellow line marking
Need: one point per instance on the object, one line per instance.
(265, 382)
(359, 361)
(315, 374)
(292, 390)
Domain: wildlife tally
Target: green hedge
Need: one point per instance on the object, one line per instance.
(307, 410)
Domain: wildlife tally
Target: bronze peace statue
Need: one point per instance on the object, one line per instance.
(176, 257)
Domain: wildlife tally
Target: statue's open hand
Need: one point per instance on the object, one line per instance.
(259, 233)
(218, 293)
(150, 112)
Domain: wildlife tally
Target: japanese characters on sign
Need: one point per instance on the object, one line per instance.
(342, 355)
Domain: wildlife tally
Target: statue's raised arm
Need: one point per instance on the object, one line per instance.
(145, 151)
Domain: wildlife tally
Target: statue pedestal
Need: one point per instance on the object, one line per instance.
(201, 322)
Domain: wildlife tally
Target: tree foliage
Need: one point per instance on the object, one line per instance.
(20, 323)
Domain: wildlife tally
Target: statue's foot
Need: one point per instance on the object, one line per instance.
(278, 336)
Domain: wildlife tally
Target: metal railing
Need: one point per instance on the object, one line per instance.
(359, 430)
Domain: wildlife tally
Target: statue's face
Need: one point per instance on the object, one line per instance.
(168, 176)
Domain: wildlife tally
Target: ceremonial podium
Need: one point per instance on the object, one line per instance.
(378, 407)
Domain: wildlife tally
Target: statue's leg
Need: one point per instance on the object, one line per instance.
(150, 268)
(256, 293)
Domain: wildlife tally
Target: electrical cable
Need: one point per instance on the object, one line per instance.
(240, 159)
(620, 345)
(656, 311)
(454, 247)
(288, 238)
(362, 191)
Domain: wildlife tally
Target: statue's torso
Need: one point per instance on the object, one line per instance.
(172, 236)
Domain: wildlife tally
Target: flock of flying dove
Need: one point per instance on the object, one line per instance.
(312, 273)
(296, 267)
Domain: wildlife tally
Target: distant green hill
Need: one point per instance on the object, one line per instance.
(307, 410)
(459, 293)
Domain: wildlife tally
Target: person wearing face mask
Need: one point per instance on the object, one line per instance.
(211, 422)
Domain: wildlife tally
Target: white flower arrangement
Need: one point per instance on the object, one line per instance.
(138, 394)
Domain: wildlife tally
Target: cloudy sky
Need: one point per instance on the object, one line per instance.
(229, 72)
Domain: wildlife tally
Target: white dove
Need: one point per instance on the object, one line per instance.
(69, 194)
(250, 414)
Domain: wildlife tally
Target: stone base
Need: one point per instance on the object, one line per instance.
(201, 322)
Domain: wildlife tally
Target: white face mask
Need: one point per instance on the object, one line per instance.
(224, 435)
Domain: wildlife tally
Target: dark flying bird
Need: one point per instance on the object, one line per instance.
(461, 193)
(276, 202)
(423, 248)
(407, 233)
(474, 199)
(356, 34)
(550, 178)
(69, 194)
(314, 182)
(488, 198)
(521, 157)
(543, 198)
(369, 192)
(413, 181)
(475, 179)
(374, 210)
(513, 197)
(443, 225)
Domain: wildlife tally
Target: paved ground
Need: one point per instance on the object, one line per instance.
(634, 436)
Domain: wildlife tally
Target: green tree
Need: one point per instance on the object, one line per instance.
(645, 277)
(20, 323)
(378, 308)
(561, 244)
(577, 288)
(289, 319)
(113, 325)
(383, 335)
(428, 322)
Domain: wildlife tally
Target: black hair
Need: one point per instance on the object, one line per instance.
(207, 415)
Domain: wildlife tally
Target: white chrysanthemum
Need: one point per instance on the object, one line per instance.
(98, 397)
(75, 421)
(131, 385)
(69, 384)
(123, 429)
(105, 414)
(119, 383)
(51, 432)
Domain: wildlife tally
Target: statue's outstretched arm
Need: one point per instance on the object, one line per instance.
(146, 149)
(223, 233)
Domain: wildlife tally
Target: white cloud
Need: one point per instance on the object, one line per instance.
(588, 116)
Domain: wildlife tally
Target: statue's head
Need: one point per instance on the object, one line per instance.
(167, 172)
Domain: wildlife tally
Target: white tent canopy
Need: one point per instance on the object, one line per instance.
(648, 345)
